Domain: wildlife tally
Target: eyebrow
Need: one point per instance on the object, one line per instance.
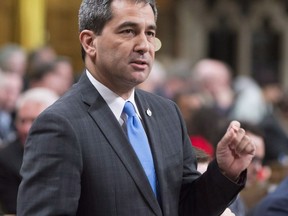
(134, 25)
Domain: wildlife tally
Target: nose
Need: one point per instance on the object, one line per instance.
(142, 45)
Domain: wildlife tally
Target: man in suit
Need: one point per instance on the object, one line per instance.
(30, 104)
(274, 204)
(78, 159)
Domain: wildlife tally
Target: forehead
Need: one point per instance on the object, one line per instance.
(127, 11)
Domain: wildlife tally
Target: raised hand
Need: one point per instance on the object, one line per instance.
(234, 151)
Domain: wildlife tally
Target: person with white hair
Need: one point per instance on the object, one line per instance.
(29, 105)
(214, 79)
(10, 88)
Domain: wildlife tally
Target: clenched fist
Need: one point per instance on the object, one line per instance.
(234, 151)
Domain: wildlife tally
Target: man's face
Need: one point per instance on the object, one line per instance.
(64, 71)
(125, 49)
(26, 115)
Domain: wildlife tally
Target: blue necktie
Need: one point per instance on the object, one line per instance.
(139, 142)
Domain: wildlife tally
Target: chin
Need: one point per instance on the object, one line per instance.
(139, 79)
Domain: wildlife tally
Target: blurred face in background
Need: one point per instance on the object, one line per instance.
(12, 88)
(256, 164)
(18, 63)
(26, 115)
(64, 70)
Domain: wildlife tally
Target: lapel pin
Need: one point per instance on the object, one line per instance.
(148, 112)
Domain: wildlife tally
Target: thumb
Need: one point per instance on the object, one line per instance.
(232, 129)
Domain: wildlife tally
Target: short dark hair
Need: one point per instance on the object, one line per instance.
(94, 14)
(42, 70)
(252, 128)
(201, 155)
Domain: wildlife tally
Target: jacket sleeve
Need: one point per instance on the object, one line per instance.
(207, 194)
(51, 166)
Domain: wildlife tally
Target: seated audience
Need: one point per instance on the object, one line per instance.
(30, 104)
(275, 203)
(56, 75)
(10, 87)
(214, 79)
(257, 175)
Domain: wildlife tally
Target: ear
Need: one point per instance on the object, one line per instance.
(86, 38)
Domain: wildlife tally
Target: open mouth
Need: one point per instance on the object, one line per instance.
(140, 62)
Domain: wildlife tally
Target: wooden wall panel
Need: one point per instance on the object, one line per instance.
(62, 29)
(8, 21)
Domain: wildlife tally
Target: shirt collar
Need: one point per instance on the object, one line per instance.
(114, 101)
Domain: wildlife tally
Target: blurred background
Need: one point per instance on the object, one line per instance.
(250, 35)
(220, 60)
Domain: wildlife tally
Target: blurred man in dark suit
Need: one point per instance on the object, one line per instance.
(29, 106)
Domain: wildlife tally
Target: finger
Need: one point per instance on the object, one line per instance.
(230, 135)
(246, 146)
(234, 125)
(236, 143)
(227, 138)
(250, 148)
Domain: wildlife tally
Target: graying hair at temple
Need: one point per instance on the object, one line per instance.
(94, 14)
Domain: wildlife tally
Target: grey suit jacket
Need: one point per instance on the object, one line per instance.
(78, 161)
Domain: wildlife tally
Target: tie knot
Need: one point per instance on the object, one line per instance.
(129, 109)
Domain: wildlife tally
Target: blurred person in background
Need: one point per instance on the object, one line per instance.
(64, 70)
(44, 76)
(274, 124)
(13, 87)
(257, 185)
(281, 111)
(156, 80)
(275, 203)
(200, 129)
(39, 56)
(189, 100)
(29, 105)
(10, 88)
(214, 79)
(173, 84)
(13, 58)
(248, 94)
(3, 113)
(56, 75)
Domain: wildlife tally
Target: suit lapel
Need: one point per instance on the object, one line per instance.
(151, 126)
(100, 112)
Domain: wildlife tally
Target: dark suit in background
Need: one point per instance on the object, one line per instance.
(274, 204)
(29, 105)
(10, 163)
